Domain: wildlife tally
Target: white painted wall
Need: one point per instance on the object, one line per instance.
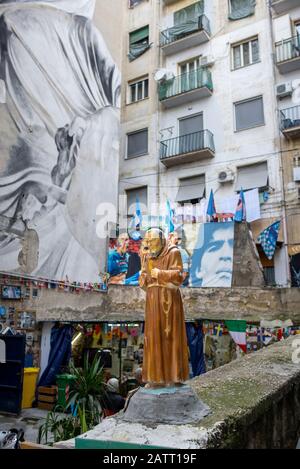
(233, 149)
(45, 345)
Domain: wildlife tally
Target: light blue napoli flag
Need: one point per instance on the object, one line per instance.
(169, 218)
(211, 208)
(240, 213)
(268, 239)
(138, 213)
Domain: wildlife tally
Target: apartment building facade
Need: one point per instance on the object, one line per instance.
(285, 17)
(201, 111)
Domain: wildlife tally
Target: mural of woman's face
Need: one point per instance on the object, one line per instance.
(216, 263)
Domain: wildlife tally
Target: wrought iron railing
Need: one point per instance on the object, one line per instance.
(287, 49)
(180, 31)
(188, 143)
(290, 118)
(198, 78)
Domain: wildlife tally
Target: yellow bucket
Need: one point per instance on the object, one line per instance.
(29, 384)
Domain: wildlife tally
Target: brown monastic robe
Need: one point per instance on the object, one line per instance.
(165, 344)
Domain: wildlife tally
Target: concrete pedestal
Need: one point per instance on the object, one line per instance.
(174, 405)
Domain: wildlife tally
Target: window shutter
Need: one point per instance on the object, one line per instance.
(191, 188)
(249, 114)
(252, 176)
(137, 143)
(139, 35)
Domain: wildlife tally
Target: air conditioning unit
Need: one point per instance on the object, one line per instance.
(207, 61)
(225, 176)
(283, 90)
(296, 173)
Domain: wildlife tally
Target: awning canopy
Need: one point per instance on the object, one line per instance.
(258, 226)
(191, 188)
(252, 176)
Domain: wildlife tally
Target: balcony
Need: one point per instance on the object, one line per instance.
(169, 2)
(185, 36)
(187, 148)
(185, 88)
(290, 122)
(281, 6)
(287, 53)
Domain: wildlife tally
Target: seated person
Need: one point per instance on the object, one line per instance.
(113, 402)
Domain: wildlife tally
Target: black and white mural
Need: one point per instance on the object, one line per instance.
(59, 137)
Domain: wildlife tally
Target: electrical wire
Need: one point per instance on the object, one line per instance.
(264, 156)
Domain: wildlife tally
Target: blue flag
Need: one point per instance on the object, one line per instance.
(138, 214)
(169, 218)
(268, 239)
(240, 213)
(211, 208)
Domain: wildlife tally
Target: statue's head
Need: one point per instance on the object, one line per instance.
(154, 242)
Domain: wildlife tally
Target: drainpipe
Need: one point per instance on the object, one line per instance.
(277, 126)
(158, 62)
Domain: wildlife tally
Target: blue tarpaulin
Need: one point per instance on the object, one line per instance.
(195, 343)
(60, 353)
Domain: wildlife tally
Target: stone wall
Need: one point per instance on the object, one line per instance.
(127, 304)
(254, 403)
(247, 268)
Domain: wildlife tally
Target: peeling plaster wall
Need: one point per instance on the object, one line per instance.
(128, 303)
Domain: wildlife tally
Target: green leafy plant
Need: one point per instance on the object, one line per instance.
(58, 427)
(84, 401)
(87, 392)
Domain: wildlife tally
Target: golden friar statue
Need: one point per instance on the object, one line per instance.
(165, 360)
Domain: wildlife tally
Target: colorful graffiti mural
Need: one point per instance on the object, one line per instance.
(206, 251)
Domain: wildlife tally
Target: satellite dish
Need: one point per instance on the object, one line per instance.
(160, 74)
(163, 74)
(296, 92)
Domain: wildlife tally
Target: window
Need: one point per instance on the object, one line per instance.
(252, 176)
(191, 137)
(137, 143)
(190, 66)
(249, 113)
(139, 90)
(245, 53)
(191, 124)
(132, 196)
(138, 43)
(297, 28)
(191, 190)
(268, 266)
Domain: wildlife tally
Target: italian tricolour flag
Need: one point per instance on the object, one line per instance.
(237, 330)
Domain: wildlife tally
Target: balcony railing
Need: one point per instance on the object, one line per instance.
(189, 143)
(287, 49)
(186, 82)
(170, 35)
(290, 119)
